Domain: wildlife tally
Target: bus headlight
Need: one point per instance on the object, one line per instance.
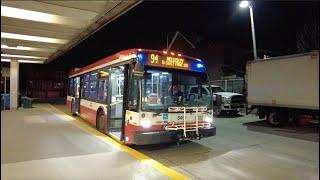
(146, 123)
(208, 119)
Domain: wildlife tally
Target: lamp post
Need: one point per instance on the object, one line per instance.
(245, 4)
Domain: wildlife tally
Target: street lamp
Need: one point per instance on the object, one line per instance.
(245, 4)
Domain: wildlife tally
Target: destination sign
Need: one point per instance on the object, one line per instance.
(167, 61)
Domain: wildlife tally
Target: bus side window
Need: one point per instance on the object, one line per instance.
(71, 87)
(85, 87)
(93, 90)
(102, 90)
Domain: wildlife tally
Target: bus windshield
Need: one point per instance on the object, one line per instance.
(163, 88)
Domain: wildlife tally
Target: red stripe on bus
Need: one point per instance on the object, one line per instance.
(105, 60)
(88, 114)
(130, 130)
(68, 104)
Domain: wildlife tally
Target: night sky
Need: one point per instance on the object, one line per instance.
(204, 23)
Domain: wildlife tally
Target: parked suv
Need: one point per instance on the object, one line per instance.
(232, 103)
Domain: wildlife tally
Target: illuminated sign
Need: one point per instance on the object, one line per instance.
(103, 74)
(167, 61)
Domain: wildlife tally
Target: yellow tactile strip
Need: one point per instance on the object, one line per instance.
(138, 155)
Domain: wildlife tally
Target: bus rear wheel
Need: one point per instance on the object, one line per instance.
(101, 121)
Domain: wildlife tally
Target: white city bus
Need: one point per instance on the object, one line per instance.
(141, 96)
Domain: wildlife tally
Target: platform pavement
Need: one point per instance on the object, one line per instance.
(41, 143)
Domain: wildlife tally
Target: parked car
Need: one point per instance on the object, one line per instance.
(231, 103)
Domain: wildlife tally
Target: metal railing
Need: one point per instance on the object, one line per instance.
(230, 85)
(187, 127)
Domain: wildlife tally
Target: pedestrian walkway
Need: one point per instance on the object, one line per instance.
(42, 143)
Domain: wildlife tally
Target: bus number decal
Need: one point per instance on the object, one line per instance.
(154, 59)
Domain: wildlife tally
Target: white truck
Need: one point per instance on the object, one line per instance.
(231, 103)
(283, 88)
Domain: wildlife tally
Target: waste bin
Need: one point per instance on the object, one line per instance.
(5, 101)
(2, 102)
(26, 102)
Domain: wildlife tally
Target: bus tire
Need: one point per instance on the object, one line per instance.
(101, 121)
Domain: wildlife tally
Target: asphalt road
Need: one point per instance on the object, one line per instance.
(245, 148)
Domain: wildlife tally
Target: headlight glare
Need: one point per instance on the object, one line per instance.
(208, 119)
(146, 123)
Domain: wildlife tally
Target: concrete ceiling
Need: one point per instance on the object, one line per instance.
(41, 31)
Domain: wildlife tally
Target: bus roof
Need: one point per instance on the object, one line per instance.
(117, 56)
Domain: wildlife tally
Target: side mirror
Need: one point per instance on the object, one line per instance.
(138, 71)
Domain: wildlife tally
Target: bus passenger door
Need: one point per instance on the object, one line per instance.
(77, 95)
(116, 100)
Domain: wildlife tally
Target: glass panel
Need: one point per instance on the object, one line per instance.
(229, 86)
(86, 90)
(133, 101)
(94, 76)
(204, 91)
(194, 90)
(116, 102)
(102, 90)
(217, 89)
(162, 89)
(93, 90)
(87, 77)
(71, 87)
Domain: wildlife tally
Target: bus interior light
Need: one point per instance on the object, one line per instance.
(172, 53)
(164, 52)
(179, 54)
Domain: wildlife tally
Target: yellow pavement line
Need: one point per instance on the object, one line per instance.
(138, 155)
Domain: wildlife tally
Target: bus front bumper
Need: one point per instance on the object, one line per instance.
(157, 137)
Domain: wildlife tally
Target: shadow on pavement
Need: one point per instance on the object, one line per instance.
(188, 152)
(153, 147)
(225, 115)
(309, 132)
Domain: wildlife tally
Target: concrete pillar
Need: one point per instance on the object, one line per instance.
(14, 83)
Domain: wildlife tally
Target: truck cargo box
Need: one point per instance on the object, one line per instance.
(286, 81)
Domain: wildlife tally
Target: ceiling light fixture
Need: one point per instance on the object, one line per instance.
(22, 56)
(32, 38)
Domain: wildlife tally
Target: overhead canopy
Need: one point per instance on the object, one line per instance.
(39, 32)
